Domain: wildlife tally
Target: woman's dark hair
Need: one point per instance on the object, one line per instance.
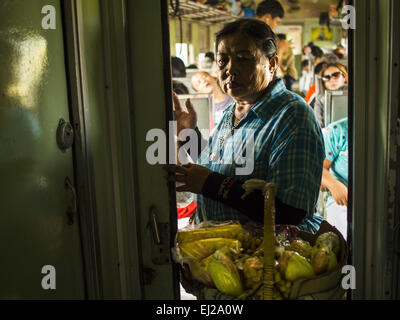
(304, 63)
(272, 7)
(317, 52)
(281, 36)
(338, 53)
(330, 58)
(341, 67)
(210, 55)
(264, 37)
(179, 88)
(319, 67)
(178, 68)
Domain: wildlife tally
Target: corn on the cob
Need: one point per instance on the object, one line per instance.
(225, 274)
(202, 248)
(232, 231)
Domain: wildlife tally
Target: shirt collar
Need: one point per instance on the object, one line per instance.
(259, 108)
(263, 107)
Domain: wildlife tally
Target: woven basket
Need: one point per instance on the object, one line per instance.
(322, 287)
(325, 286)
(269, 240)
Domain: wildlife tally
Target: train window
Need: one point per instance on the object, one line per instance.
(182, 52)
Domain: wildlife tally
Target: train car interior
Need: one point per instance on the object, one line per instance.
(89, 93)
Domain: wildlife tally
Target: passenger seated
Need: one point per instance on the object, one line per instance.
(334, 78)
(287, 68)
(340, 52)
(192, 66)
(304, 81)
(203, 82)
(207, 61)
(179, 87)
(335, 174)
(316, 87)
(312, 91)
(178, 68)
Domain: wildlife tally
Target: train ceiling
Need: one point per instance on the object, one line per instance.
(295, 10)
(301, 9)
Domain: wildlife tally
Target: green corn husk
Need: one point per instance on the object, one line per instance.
(203, 248)
(232, 231)
(225, 274)
(298, 267)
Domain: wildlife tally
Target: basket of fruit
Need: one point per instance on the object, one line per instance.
(269, 262)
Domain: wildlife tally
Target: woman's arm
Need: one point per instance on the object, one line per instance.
(337, 189)
(201, 180)
(230, 191)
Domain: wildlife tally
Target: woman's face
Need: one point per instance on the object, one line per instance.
(202, 82)
(244, 71)
(333, 79)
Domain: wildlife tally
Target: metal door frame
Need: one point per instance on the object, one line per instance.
(173, 218)
(149, 67)
(120, 113)
(121, 141)
(82, 153)
(374, 222)
(393, 152)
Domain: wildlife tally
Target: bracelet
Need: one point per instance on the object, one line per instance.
(222, 186)
(227, 189)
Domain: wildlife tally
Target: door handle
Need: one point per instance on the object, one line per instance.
(72, 208)
(154, 226)
(160, 251)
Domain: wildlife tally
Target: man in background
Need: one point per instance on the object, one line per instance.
(271, 12)
(287, 68)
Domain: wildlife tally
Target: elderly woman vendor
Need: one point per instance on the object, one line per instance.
(288, 143)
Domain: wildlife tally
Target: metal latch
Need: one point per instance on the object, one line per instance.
(160, 251)
(65, 135)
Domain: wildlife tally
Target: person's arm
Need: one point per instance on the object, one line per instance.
(230, 191)
(333, 146)
(201, 180)
(337, 189)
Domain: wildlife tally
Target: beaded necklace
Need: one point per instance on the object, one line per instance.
(223, 138)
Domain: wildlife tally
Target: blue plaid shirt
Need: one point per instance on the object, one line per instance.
(288, 150)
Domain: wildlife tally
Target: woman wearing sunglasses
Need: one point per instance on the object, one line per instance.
(333, 77)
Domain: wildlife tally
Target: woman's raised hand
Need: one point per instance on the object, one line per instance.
(185, 120)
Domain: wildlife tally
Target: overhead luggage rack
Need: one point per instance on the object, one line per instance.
(197, 12)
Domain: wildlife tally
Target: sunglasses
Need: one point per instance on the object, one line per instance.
(335, 75)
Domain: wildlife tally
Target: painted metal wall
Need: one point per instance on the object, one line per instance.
(34, 229)
(110, 85)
